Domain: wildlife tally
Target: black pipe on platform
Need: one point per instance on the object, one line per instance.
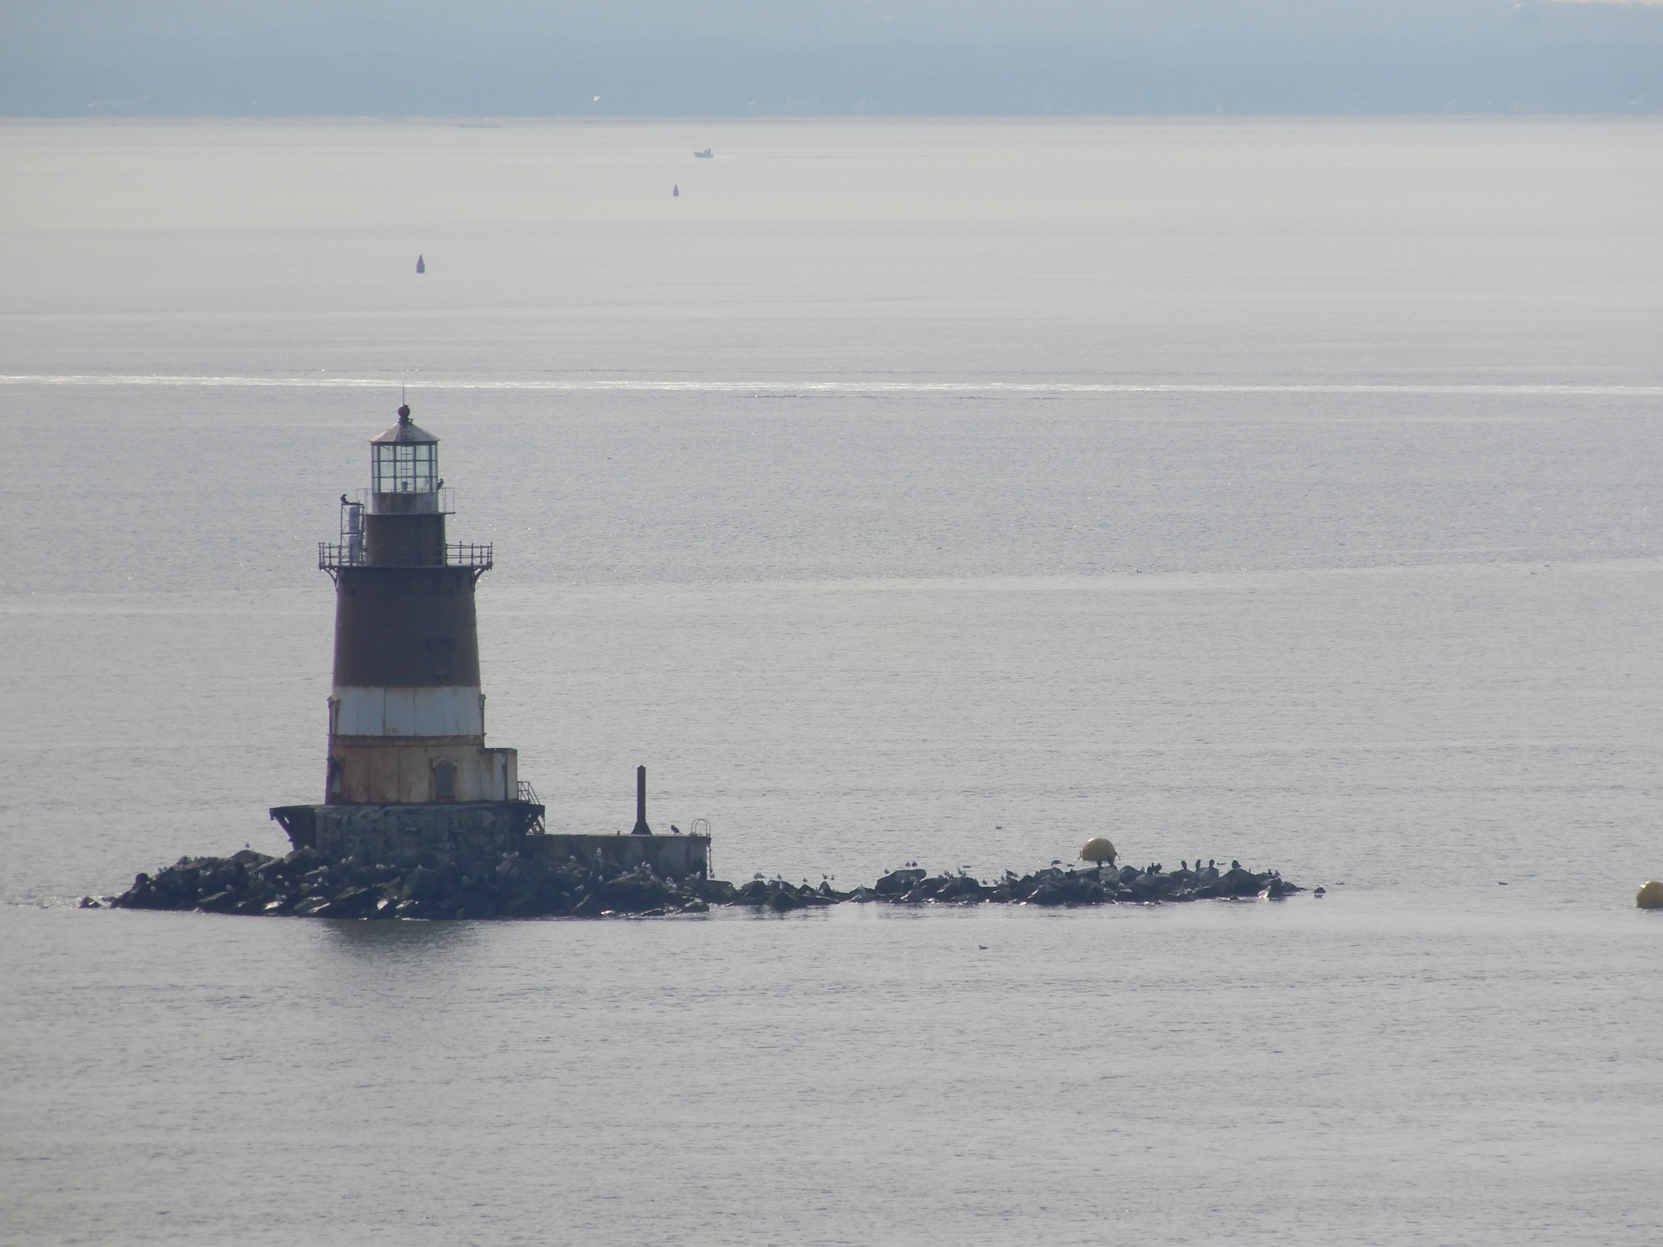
(641, 828)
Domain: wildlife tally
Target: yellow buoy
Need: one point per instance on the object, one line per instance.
(1650, 895)
(1099, 850)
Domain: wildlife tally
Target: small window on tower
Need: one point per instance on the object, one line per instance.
(441, 656)
(444, 781)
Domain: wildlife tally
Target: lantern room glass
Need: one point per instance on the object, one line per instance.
(406, 468)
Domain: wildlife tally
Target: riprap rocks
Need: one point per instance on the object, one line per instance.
(512, 885)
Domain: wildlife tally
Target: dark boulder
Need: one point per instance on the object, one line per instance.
(963, 889)
(473, 900)
(634, 893)
(355, 902)
(422, 885)
(713, 891)
(588, 906)
(897, 882)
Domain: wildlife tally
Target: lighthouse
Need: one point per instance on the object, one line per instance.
(409, 777)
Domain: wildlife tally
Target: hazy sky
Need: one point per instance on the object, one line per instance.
(808, 21)
(810, 56)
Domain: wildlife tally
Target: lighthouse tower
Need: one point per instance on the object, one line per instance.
(409, 776)
(406, 714)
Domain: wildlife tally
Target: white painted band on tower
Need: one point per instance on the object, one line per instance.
(443, 710)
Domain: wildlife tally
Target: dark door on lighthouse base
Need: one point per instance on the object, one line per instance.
(444, 781)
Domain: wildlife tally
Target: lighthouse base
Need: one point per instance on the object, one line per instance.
(410, 835)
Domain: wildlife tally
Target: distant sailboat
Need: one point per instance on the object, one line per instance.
(675, 192)
(421, 265)
(706, 154)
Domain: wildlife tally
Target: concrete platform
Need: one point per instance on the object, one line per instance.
(410, 835)
(434, 835)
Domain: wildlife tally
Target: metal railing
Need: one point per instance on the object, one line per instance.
(334, 555)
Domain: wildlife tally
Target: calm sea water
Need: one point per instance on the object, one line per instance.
(936, 491)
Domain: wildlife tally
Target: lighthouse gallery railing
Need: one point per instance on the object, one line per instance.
(332, 556)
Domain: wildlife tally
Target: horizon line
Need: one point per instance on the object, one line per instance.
(769, 386)
(1650, 111)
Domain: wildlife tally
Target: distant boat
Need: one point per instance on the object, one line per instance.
(706, 154)
(421, 265)
(675, 192)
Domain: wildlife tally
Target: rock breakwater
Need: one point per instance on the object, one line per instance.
(304, 884)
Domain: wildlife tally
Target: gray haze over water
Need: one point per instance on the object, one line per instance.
(806, 57)
(900, 490)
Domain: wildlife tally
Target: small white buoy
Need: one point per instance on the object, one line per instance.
(1650, 895)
